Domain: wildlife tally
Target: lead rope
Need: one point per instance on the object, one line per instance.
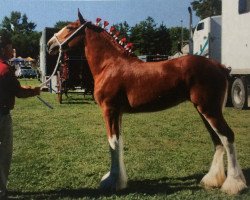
(46, 81)
(58, 60)
(57, 63)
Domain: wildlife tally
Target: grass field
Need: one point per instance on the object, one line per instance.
(63, 153)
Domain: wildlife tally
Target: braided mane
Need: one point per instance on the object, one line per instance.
(107, 35)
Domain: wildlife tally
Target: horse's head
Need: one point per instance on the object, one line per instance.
(68, 37)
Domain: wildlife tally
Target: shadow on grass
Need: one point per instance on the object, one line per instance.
(246, 172)
(165, 186)
(77, 100)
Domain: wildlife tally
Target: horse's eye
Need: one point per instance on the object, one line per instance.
(70, 28)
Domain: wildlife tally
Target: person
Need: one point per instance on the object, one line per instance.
(10, 88)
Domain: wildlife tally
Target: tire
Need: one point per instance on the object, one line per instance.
(239, 93)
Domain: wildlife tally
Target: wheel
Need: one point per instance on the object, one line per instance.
(239, 93)
(59, 88)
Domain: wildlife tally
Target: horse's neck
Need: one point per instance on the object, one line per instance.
(98, 50)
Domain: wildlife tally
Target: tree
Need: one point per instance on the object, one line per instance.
(149, 38)
(17, 23)
(25, 40)
(162, 40)
(123, 28)
(206, 8)
(175, 37)
(142, 35)
(61, 24)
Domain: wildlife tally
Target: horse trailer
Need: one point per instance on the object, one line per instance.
(47, 62)
(226, 38)
(72, 74)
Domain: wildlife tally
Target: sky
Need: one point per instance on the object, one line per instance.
(45, 13)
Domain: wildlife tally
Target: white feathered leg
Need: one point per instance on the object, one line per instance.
(216, 175)
(116, 178)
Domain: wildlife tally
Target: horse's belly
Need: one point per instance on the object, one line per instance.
(146, 103)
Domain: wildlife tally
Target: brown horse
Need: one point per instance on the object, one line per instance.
(125, 84)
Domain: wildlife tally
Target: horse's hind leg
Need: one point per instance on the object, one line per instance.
(216, 175)
(235, 181)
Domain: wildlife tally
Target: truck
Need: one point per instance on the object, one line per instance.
(226, 38)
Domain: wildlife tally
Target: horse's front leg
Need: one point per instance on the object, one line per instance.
(116, 178)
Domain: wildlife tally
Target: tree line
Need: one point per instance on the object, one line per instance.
(147, 36)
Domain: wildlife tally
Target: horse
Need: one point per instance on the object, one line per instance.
(123, 83)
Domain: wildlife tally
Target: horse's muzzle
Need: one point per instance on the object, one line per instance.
(52, 48)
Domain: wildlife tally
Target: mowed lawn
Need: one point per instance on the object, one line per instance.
(63, 153)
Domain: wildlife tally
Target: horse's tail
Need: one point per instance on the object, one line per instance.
(226, 70)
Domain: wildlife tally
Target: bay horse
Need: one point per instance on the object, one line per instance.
(123, 83)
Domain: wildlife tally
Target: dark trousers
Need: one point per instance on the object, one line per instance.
(6, 146)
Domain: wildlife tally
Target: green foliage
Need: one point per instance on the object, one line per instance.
(175, 37)
(206, 8)
(149, 38)
(61, 24)
(25, 40)
(5, 38)
(143, 36)
(162, 40)
(17, 23)
(63, 153)
(124, 29)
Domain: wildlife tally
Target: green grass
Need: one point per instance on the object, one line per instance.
(63, 153)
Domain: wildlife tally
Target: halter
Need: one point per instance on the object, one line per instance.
(60, 50)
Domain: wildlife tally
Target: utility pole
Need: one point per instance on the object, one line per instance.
(190, 30)
(181, 34)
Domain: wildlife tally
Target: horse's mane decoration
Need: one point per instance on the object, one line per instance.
(123, 42)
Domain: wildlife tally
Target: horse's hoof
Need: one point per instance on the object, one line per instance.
(108, 183)
(234, 185)
(213, 181)
(112, 183)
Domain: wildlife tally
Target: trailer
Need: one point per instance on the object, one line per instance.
(73, 73)
(153, 58)
(226, 38)
(46, 62)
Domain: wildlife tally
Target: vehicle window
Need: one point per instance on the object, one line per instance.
(244, 6)
(200, 26)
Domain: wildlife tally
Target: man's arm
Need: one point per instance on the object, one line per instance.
(21, 91)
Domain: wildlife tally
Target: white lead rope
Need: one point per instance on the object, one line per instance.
(56, 66)
(58, 61)
(60, 51)
(46, 81)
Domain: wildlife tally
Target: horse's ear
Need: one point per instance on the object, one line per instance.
(81, 17)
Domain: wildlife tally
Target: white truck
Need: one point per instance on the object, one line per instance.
(226, 38)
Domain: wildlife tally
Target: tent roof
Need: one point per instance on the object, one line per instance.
(29, 59)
